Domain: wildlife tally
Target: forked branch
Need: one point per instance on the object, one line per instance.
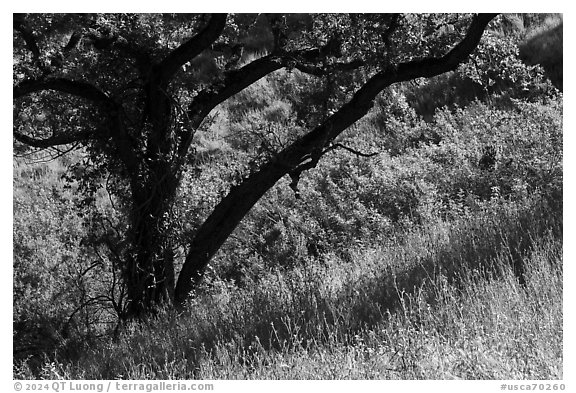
(76, 88)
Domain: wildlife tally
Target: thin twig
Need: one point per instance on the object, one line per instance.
(351, 150)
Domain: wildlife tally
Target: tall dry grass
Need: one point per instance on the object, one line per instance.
(439, 302)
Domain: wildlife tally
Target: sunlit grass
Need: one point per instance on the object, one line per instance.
(442, 302)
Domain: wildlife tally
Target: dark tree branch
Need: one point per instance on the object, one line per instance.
(72, 42)
(234, 82)
(237, 80)
(313, 160)
(241, 198)
(124, 142)
(54, 140)
(158, 102)
(351, 150)
(327, 70)
(62, 85)
(427, 68)
(363, 100)
(192, 48)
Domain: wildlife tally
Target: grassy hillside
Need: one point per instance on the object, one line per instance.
(545, 47)
(439, 257)
(426, 264)
(441, 302)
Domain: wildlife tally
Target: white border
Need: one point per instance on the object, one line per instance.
(300, 6)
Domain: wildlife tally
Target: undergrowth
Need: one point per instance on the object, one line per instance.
(439, 302)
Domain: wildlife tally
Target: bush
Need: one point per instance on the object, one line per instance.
(503, 66)
(445, 288)
(62, 286)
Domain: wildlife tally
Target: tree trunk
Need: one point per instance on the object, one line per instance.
(149, 269)
(221, 223)
(303, 154)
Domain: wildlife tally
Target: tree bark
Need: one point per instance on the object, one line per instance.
(221, 223)
(149, 267)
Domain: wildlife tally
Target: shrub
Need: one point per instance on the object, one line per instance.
(62, 285)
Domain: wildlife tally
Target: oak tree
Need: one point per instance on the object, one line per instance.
(131, 91)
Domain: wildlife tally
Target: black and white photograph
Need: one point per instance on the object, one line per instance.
(200, 197)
